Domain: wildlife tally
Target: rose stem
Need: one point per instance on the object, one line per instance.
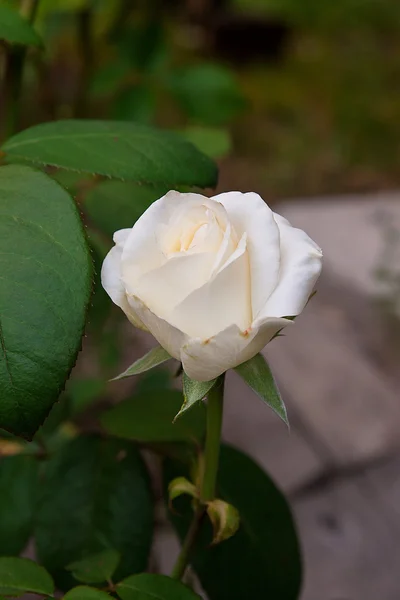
(209, 477)
(215, 403)
(183, 557)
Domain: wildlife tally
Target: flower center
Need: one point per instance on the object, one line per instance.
(194, 231)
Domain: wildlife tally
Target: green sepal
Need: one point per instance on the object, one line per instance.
(257, 374)
(193, 392)
(156, 356)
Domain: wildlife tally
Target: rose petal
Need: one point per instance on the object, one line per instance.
(163, 288)
(301, 263)
(249, 213)
(226, 249)
(167, 336)
(205, 360)
(112, 282)
(121, 236)
(222, 301)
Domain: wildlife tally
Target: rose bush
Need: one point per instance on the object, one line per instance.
(213, 279)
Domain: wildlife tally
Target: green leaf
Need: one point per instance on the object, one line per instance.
(212, 141)
(193, 392)
(115, 149)
(154, 587)
(262, 559)
(82, 592)
(95, 496)
(207, 93)
(18, 492)
(257, 374)
(45, 281)
(15, 29)
(97, 568)
(114, 205)
(156, 356)
(148, 417)
(20, 575)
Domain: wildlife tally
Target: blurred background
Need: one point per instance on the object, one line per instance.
(300, 102)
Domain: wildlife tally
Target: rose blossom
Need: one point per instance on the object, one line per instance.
(213, 279)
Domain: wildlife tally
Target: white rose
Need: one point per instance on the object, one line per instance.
(211, 278)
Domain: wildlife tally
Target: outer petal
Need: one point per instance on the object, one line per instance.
(249, 213)
(112, 283)
(301, 264)
(168, 336)
(222, 301)
(205, 360)
(121, 236)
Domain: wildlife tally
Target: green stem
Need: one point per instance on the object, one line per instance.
(213, 440)
(208, 476)
(183, 558)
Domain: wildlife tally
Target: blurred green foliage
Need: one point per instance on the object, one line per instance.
(323, 118)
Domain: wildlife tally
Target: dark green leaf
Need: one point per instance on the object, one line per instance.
(262, 559)
(95, 496)
(148, 417)
(258, 376)
(156, 356)
(154, 587)
(114, 205)
(82, 592)
(115, 149)
(193, 392)
(15, 29)
(97, 568)
(207, 93)
(45, 280)
(20, 575)
(18, 489)
(214, 142)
